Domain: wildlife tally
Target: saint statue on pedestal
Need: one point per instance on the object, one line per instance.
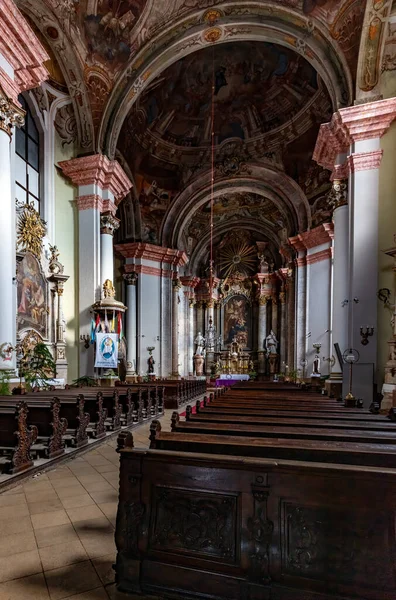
(200, 341)
(271, 343)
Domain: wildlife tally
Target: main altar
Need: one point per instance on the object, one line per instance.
(235, 360)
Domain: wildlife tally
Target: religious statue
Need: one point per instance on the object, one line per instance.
(151, 363)
(271, 343)
(200, 341)
(316, 366)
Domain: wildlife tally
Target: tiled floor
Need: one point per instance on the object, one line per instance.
(57, 529)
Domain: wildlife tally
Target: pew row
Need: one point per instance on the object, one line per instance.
(235, 528)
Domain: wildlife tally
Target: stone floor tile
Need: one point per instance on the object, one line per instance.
(98, 486)
(9, 526)
(13, 512)
(65, 482)
(26, 588)
(14, 490)
(93, 528)
(77, 501)
(12, 500)
(72, 580)
(69, 491)
(97, 594)
(104, 568)
(37, 485)
(49, 536)
(44, 496)
(108, 468)
(17, 542)
(84, 513)
(106, 496)
(61, 555)
(36, 508)
(50, 519)
(86, 479)
(109, 509)
(95, 546)
(20, 565)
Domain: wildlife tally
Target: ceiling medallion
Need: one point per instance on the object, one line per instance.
(211, 16)
(213, 35)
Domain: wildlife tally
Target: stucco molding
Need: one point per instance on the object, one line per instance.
(319, 256)
(323, 234)
(157, 254)
(365, 161)
(22, 50)
(98, 170)
(90, 201)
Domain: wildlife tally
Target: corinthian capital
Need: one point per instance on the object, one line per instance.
(108, 224)
(339, 193)
(10, 114)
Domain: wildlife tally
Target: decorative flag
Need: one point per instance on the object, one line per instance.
(92, 331)
(97, 324)
(113, 324)
(119, 326)
(107, 350)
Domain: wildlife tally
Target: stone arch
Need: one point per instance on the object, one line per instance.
(262, 22)
(259, 179)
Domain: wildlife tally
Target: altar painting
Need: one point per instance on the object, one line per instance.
(32, 295)
(237, 321)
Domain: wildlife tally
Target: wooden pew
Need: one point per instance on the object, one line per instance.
(17, 438)
(369, 454)
(310, 432)
(234, 527)
(45, 416)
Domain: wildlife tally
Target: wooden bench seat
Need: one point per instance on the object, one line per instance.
(277, 412)
(310, 432)
(370, 454)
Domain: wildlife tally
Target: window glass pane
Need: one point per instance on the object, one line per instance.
(20, 194)
(35, 202)
(31, 127)
(20, 142)
(33, 155)
(20, 170)
(33, 181)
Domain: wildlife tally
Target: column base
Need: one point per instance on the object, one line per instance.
(388, 400)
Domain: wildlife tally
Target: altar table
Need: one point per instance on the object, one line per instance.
(229, 380)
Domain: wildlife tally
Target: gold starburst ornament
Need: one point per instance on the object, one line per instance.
(31, 230)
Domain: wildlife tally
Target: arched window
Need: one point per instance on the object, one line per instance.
(27, 160)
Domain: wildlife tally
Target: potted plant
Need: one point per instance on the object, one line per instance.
(4, 382)
(36, 367)
(252, 375)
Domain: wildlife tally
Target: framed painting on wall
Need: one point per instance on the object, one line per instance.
(238, 321)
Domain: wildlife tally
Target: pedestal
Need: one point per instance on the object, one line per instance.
(199, 364)
(273, 361)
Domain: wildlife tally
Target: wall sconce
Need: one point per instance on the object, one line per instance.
(86, 339)
(317, 347)
(365, 333)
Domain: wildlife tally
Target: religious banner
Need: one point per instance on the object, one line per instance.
(107, 350)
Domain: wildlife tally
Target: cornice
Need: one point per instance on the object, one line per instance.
(319, 256)
(22, 50)
(154, 253)
(190, 281)
(365, 161)
(98, 169)
(322, 234)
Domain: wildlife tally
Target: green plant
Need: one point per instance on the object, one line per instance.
(85, 381)
(37, 367)
(252, 375)
(293, 375)
(4, 381)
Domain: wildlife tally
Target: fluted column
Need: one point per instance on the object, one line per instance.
(283, 328)
(191, 305)
(262, 333)
(108, 225)
(10, 115)
(130, 322)
(200, 317)
(176, 287)
(290, 319)
(340, 274)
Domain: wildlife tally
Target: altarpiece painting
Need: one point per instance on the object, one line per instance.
(237, 321)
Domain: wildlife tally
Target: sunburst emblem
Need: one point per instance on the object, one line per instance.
(238, 257)
(31, 230)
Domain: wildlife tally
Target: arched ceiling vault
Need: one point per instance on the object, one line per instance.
(199, 256)
(261, 180)
(255, 22)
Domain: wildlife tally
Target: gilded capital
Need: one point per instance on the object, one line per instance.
(210, 304)
(191, 303)
(177, 285)
(282, 297)
(108, 224)
(263, 300)
(130, 278)
(338, 195)
(10, 114)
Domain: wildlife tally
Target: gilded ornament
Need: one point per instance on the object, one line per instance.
(212, 16)
(31, 230)
(213, 35)
(108, 289)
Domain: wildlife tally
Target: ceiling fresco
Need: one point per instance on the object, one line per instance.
(258, 87)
